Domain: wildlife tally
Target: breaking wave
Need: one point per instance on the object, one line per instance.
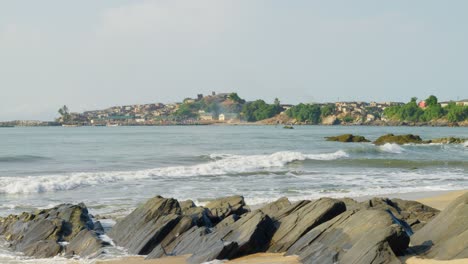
(392, 148)
(221, 164)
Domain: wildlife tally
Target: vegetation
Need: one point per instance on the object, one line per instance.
(308, 113)
(413, 113)
(259, 110)
(64, 113)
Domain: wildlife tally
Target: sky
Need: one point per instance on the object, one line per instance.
(91, 54)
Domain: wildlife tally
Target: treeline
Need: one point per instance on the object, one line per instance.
(411, 112)
(310, 113)
(259, 110)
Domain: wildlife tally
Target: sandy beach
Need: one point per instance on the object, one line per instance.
(437, 200)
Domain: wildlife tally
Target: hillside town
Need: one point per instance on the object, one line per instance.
(229, 108)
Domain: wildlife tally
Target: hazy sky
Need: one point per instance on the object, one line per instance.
(92, 54)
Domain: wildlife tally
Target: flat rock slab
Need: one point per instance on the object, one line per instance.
(354, 237)
(446, 236)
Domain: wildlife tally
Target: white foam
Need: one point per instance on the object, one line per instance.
(222, 165)
(465, 144)
(392, 148)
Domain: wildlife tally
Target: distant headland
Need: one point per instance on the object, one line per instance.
(230, 108)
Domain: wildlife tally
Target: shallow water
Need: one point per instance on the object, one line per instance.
(112, 169)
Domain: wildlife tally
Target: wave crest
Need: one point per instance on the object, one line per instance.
(392, 148)
(222, 164)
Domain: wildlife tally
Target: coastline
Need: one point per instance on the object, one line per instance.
(435, 199)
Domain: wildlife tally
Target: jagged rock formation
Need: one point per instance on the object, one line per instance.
(46, 233)
(364, 236)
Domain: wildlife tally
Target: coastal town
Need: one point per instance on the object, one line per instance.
(229, 108)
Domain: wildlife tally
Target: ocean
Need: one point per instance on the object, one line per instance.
(113, 169)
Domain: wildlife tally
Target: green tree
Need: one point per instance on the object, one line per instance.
(309, 113)
(235, 98)
(259, 110)
(431, 101)
(64, 113)
(328, 109)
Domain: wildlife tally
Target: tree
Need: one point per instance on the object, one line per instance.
(431, 101)
(259, 110)
(235, 98)
(64, 113)
(309, 113)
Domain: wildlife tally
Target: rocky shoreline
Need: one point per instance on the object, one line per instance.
(378, 230)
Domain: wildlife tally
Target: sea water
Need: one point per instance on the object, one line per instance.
(113, 169)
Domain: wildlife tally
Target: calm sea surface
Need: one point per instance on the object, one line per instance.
(112, 169)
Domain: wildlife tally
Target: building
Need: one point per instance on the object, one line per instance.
(227, 116)
(422, 104)
(206, 116)
(463, 102)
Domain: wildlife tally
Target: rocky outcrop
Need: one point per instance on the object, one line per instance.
(415, 214)
(399, 139)
(224, 207)
(348, 138)
(364, 236)
(148, 225)
(47, 233)
(296, 220)
(446, 236)
(273, 208)
(250, 234)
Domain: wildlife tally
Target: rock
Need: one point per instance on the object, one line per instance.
(446, 236)
(200, 216)
(86, 243)
(414, 213)
(301, 217)
(42, 233)
(147, 226)
(330, 120)
(399, 139)
(353, 237)
(250, 234)
(224, 207)
(185, 205)
(448, 140)
(347, 138)
(272, 209)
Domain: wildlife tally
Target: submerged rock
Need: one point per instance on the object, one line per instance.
(296, 220)
(448, 140)
(399, 139)
(46, 233)
(348, 138)
(353, 237)
(446, 236)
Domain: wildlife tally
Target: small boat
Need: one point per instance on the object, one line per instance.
(288, 127)
(112, 125)
(64, 125)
